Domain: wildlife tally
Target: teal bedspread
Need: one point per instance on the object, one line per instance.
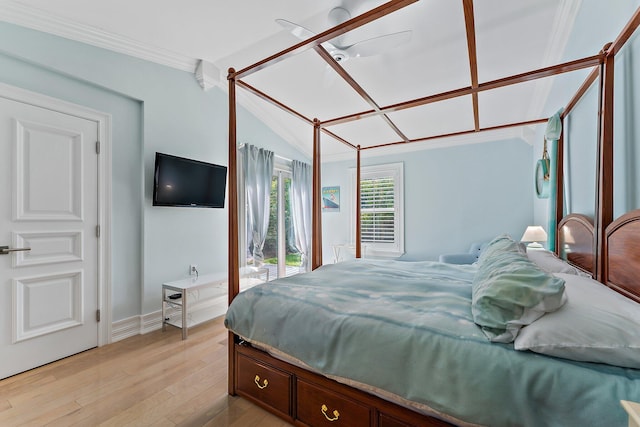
(406, 328)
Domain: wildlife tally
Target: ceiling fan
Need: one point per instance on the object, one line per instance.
(342, 52)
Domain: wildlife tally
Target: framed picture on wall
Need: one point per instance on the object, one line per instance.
(331, 199)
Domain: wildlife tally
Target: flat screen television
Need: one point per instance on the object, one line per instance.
(178, 181)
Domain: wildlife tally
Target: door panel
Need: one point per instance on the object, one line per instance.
(48, 183)
(47, 247)
(48, 205)
(61, 294)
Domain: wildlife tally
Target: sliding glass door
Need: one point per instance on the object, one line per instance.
(280, 255)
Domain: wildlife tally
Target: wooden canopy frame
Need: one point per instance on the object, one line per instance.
(602, 64)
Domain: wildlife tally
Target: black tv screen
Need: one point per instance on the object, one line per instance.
(186, 182)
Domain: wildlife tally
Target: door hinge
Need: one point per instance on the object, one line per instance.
(97, 231)
(97, 147)
(97, 315)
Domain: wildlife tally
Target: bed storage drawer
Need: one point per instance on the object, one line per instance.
(387, 421)
(320, 407)
(265, 384)
(413, 420)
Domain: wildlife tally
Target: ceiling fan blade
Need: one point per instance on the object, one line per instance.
(297, 30)
(378, 45)
(301, 32)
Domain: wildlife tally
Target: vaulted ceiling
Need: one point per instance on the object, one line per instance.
(453, 45)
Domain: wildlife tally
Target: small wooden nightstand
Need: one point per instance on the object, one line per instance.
(633, 409)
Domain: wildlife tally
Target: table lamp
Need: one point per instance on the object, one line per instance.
(534, 234)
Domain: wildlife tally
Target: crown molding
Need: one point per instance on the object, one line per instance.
(37, 19)
(207, 75)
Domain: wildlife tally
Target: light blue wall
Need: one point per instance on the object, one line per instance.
(626, 182)
(599, 26)
(581, 133)
(154, 108)
(453, 196)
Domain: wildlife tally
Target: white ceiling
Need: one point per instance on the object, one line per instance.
(511, 36)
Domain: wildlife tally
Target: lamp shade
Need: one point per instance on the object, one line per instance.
(534, 233)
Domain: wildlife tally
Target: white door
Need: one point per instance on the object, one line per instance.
(48, 204)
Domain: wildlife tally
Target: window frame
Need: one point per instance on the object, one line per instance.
(383, 250)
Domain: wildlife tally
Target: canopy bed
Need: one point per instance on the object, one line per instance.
(415, 343)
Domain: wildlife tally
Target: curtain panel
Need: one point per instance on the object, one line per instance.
(300, 199)
(257, 166)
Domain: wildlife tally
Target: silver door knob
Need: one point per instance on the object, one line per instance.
(5, 250)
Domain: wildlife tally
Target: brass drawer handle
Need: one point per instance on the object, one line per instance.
(257, 381)
(336, 414)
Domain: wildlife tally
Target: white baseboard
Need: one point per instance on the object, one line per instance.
(150, 322)
(143, 324)
(136, 325)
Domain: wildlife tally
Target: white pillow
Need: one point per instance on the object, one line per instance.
(596, 324)
(549, 262)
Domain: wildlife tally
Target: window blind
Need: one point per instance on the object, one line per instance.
(377, 204)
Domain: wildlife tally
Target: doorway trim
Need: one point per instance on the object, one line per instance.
(103, 121)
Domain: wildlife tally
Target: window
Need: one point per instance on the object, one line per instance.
(381, 210)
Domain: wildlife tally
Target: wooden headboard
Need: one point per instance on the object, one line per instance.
(576, 241)
(622, 251)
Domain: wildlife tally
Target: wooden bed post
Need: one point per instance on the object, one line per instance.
(316, 216)
(604, 188)
(234, 270)
(358, 218)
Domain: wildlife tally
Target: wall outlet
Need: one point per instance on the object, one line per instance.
(193, 269)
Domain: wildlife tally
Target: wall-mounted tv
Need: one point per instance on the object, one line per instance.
(178, 181)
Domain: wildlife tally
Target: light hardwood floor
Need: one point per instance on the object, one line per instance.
(147, 380)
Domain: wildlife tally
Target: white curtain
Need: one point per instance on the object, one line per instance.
(300, 199)
(257, 165)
